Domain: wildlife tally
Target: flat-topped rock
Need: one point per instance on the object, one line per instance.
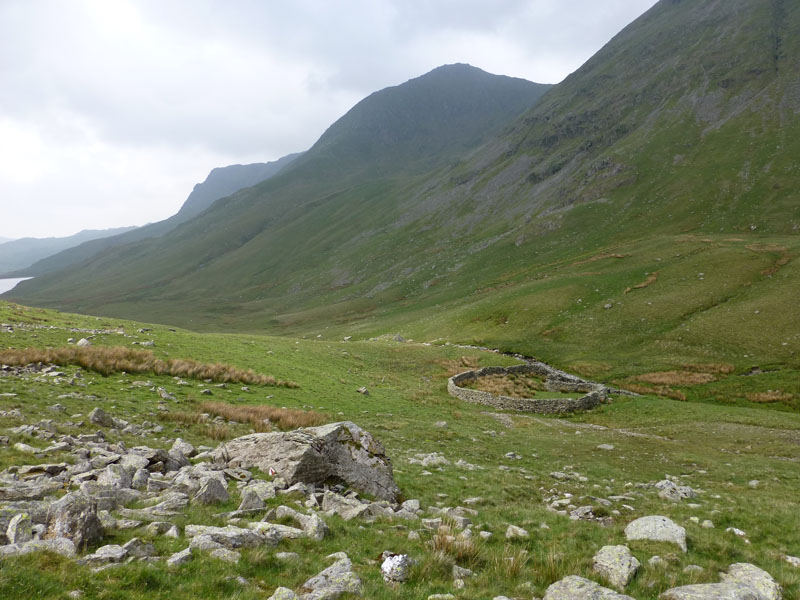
(658, 529)
(578, 588)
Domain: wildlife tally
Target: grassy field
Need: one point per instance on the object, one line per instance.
(717, 447)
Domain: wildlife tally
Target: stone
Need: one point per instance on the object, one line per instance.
(314, 455)
(83, 343)
(74, 517)
(184, 448)
(516, 532)
(231, 556)
(180, 558)
(139, 549)
(19, 529)
(605, 447)
(461, 572)
(578, 588)
(792, 560)
(334, 581)
(669, 490)
(61, 546)
(112, 553)
(115, 476)
(742, 582)
(363, 390)
(250, 500)
(230, 537)
(283, 593)
(211, 492)
(346, 508)
(616, 564)
(396, 568)
(99, 417)
(313, 526)
(287, 556)
(658, 529)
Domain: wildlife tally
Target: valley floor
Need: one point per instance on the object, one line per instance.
(502, 469)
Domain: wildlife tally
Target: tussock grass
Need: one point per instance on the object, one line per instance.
(516, 385)
(676, 378)
(663, 391)
(456, 366)
(717, 368)
(770, 396)
(263, 417)
(116, 359)
(462, 550)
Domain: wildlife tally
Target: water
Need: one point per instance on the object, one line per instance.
(9, 284)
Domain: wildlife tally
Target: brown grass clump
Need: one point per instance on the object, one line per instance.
(663, 391)
(461, 549)
(770, 396)
(599, 257)
(115, 359)
(509, 565)
(182, 417)
(676, 378)
(263, 417)
(649, 281)
(465, 363)
(515, 385)
(718, 368)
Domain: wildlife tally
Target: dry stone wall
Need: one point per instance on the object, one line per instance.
(555, 381)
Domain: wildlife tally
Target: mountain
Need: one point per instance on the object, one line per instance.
(21, 253)
(645, 206)
(220, 182)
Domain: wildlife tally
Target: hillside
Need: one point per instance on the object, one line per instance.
(220, 182)
(16, 255)
(644, 212)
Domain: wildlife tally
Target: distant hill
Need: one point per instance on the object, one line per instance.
(18, 254)
(220, 182)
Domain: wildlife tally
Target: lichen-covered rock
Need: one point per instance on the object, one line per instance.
(516, 532)
(61, 546)
(332, 582)
(74, 517)
(230, 537)
(616, 564)
(339, 451)
(658, 529)
(743, 581)
(578, 588)
(211, 492)
(19, 529)
(669, 490)
(283, 593)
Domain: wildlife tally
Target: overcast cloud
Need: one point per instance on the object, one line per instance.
(111, 110)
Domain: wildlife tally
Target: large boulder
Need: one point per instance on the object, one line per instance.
(337, 452)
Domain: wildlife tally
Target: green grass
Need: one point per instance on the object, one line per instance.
(715, 447)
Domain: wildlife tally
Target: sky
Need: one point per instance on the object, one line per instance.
(112, 110)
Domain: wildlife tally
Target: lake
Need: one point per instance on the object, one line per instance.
(9, 284)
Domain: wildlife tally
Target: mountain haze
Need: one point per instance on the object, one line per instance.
(668, 158)
(23, 252)
(220, 182)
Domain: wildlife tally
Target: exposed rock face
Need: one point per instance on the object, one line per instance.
(339, 451)
(74, 517)
(616, 564)
(657, 529)
(743, 581)
(578, 588)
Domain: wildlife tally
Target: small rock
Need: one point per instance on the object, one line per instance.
(363, 390)
(516, 532)
(578, 588)
(396, 568)
(605, 447)
(83, 343)
(283, 593)
(180, 558)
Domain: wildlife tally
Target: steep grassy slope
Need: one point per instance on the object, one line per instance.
(673, 147)
(715, 449)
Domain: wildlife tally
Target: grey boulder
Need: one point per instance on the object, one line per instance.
(332, 582)
(616, 564)
(658, 529)
(578, 588)
(74, 517)
(335, 452)
(743, 581)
